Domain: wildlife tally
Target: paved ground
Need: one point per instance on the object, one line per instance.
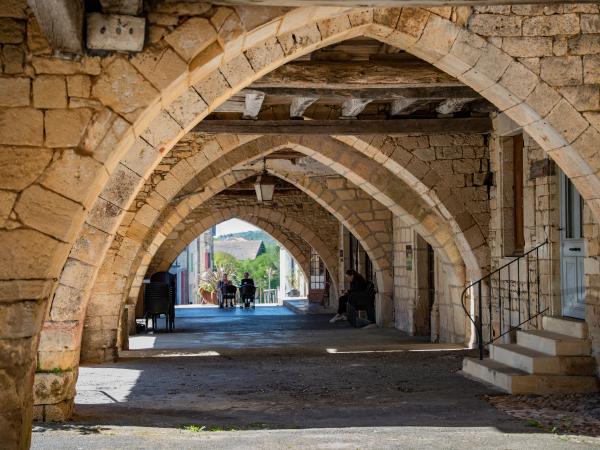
(372, 389)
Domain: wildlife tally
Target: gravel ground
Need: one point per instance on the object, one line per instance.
(566, 414)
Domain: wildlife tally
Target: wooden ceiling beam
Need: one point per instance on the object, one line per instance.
(346, 127)
(432, 92)
(356, 74)
(370, 3)
(61, 22)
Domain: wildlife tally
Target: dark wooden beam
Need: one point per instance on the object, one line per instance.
(61, 22)
(368, 3)
(431, 92)
(356, 74)
(346, 127)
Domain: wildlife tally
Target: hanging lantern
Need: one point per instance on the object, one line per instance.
(264, 186)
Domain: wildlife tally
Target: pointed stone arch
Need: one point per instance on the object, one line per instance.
(544, 113)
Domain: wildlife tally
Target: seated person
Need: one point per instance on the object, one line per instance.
(247, 290)
(230, 293)
(247, 280)
(221, 289)
(357, 284)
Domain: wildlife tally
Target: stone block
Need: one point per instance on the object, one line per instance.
(121, 187)
(123, 88)
(49, 212)
(162, 132)
(527, 47)
(22, 319)
(49, 91)
(237, 71)
(496, 25)
(437, 38)
(231, 34)
(583, 98)
(68, 304)
(187, 108)
(11, 31)
(115, 32)
(299, 39)
(12, 58)
(559, 24)
(105, 216)
(590, 23)
(161, 67)
(519, 80)
(566, 120)
(192, 37)
(412, 21)
(29, 254)
(21, 126)
(591, 69)
(66, 127)
(21, 166)
(141, 157)
(7, 200)
(561, 70)
(54, 66)
(266, 54)
(14, 91)
(73, 175)
(543, 99)
(59, 412)
(79, 86)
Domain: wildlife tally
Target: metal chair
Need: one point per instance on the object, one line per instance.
(247, 294)
(158, 301)
(229, 294)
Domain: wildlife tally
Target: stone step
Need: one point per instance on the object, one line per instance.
(553, 343)
(516, 381)
(534, 362)
(569, 327)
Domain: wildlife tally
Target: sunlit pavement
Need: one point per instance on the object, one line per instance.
(286, 381)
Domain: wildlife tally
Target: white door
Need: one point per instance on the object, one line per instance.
(572, 250)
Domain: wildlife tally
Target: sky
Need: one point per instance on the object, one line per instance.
(234, 226)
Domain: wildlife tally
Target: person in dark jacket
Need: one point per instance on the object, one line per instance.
(357, 284)
(247, 290)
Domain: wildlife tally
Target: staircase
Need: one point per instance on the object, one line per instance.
(554, 360)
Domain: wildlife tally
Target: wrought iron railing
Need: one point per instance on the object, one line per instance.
(523, 297)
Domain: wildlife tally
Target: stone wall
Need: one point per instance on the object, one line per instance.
(72, 153)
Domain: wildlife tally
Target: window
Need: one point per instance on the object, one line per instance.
(519, 226)
(511, 195)
(317, 271)
(573, 211)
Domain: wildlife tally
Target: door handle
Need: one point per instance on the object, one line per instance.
(575, 249)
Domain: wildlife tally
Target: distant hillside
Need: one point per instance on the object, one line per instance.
(257, 235)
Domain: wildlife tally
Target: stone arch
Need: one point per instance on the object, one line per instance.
(544, 113)
(436, 39)
(176, 215)
(289, 240)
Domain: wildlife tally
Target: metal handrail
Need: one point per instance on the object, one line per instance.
(479, 324)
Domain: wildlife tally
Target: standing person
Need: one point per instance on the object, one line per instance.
(221, 287)
(357, 284)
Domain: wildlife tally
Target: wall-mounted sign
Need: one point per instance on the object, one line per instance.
(409, 257)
